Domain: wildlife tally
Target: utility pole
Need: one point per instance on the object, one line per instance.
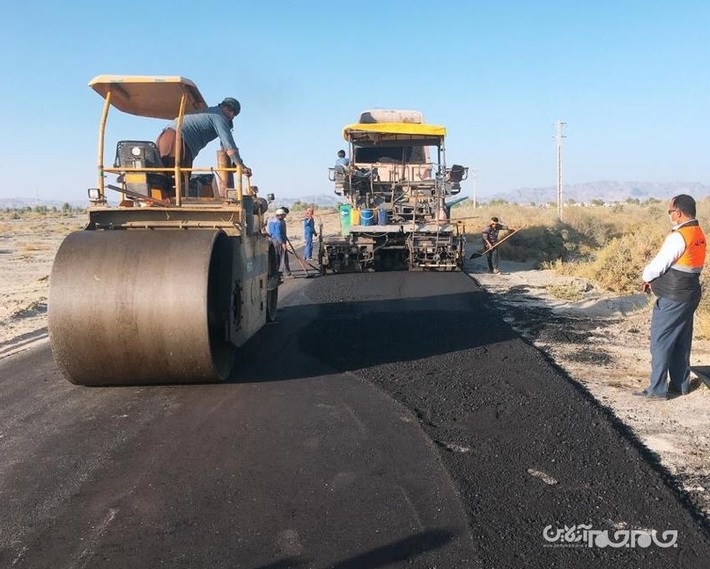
(560, 136)
(474, 178)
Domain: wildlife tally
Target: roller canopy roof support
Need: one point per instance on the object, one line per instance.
(368, 134)
(149, 96)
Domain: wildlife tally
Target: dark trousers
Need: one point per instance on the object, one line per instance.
(166, 148)
(492, 258)
(284, 266)
(671, 340)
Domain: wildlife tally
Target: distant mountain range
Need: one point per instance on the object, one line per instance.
(321, 200)
(605, 191)
(586, 192)
(21, 203)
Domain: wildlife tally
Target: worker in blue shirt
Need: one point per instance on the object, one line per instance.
(309, 232)
(342, 163)
(199, 128)
(276, 228)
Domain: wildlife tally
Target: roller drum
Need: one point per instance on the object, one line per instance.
(142, 307)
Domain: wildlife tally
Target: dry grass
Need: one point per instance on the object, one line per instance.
(30, 246)
(607, 246)
(565, 291)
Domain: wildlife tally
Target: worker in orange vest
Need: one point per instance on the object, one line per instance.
(674, 277)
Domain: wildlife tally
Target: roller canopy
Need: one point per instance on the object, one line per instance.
(376, 132)
(149, 96)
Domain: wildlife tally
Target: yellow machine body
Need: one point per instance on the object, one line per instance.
(165, 286)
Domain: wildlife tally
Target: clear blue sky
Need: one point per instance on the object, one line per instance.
(630, 79)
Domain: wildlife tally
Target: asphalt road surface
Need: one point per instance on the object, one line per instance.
(384, 420)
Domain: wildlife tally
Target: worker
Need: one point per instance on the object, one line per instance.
(276, 228)
(309, 232)
(342, 163)
(674, 277)
(490, 238)
(199, 128)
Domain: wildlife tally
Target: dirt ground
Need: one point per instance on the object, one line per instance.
(600, 340)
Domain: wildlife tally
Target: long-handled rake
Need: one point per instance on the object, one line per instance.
(478, 254)
(301, 261)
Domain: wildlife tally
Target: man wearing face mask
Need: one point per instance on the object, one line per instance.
(674, 277)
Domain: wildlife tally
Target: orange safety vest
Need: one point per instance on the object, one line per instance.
(681, 282)
(693, 258)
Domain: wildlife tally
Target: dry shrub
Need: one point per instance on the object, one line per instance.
(578, 237)
(538, 243)
(618, 266)
(510, 214)
(536, 239)
(565, 291)
(29, 246)
(596, 230)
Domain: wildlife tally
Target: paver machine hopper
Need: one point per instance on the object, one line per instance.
(166, 285)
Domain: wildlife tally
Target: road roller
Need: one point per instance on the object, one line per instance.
(172, 272)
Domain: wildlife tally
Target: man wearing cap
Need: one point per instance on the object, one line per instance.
(199, 128)
(276, 228)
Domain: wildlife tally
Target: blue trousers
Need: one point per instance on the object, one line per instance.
(671, 340)
(308, 246)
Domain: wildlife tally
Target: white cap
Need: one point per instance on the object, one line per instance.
(281, 211)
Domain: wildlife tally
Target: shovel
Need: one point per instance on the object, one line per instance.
(478, 254)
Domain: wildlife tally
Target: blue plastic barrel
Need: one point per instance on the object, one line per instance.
(381, 217)
(345, 221)
(367, 217)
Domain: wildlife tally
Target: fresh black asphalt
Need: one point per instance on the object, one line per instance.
(384, 420)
